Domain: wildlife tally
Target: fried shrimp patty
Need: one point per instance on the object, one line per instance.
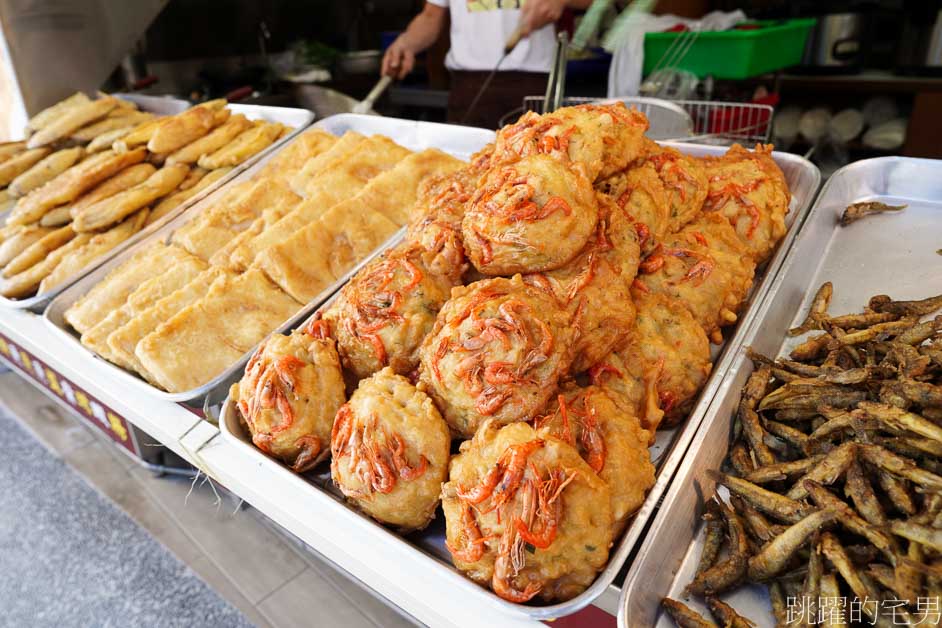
(641, 194)
(390, 450)
(675, 347)
(535, 214)
(497, 350)
(595, 286)
(384, 313)
(706, 268)
(525, 514)
(749, 190)
(603, 138)
(625, 378)
(611, 441)
(685, 179)
(289, 395)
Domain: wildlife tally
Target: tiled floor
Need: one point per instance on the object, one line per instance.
(270, 578)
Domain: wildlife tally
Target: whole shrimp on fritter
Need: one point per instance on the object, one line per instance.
(705, 267)
(525, 515)
(390, 451)
(749, 190)
(605, 138)
(685, 179)
(289, 395)
(532, 215)
(382, 315)
(594, 287)
(497, 350)
(611, 441)
(674, 346)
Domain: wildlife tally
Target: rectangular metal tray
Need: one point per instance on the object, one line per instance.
(433, 558)
(891, 253)
(460, 141)
(298, 118)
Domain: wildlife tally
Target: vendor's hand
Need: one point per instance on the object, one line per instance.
(398, 60)
(536, 14)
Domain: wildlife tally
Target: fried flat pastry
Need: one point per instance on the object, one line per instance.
(26, 282)
(113, 290)
(375, 155)
(21, 240)
(343, 147)
(177, 131)
(208, 144)
(202, 340)
(173, 201)
(232, 214)
(391, 193)
(38, 250)
(269, 217)
(122, 341)
(71, 120)
(98, 245)
(20, 163)
(300, 266)
(45, 171)
(95, 339)
(72, 183)
(117, 119)
(248, 143)
(156, 288)
(47, 115)
(287, 162)
(112, 210)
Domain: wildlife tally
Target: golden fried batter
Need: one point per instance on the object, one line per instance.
(604, 138)
(706, 267)
(390, 449)
(385, 311)
(594, 287)
(625, 377)
(497, 350)
(685, 180)
(675, 348)
(611, 441)
(641, 194)
(291, 390)
(530, 216)
(749, 190)
(526, 515)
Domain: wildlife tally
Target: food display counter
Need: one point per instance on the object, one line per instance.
(291, 262)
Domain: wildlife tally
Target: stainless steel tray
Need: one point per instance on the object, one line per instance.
(893, 254)
(461, 142)
(298, 118)
(667, 452)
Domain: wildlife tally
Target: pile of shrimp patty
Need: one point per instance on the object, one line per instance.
(525, 514)
(390, 450)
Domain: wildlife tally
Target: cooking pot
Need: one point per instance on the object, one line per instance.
(836, 42)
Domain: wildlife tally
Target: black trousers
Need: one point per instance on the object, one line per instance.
(504, 94)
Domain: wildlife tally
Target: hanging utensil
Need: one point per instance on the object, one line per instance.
(366, 105)
(509, 46)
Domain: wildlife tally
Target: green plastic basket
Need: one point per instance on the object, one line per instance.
(735, 54)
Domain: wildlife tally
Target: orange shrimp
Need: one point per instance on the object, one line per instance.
(591, 439)
(310, 451)
(507, 565)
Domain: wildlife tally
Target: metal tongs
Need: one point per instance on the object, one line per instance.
(556, 84)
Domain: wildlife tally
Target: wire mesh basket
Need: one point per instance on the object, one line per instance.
(701, 121)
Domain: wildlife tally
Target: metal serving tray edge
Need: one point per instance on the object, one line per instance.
(804, 179)
(461, 142)
(299, 118)
(885, 253)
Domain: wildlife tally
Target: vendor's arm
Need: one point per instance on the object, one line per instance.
(421, 33)
(536, 14)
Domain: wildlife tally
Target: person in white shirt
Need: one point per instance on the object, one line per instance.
(479, 30)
